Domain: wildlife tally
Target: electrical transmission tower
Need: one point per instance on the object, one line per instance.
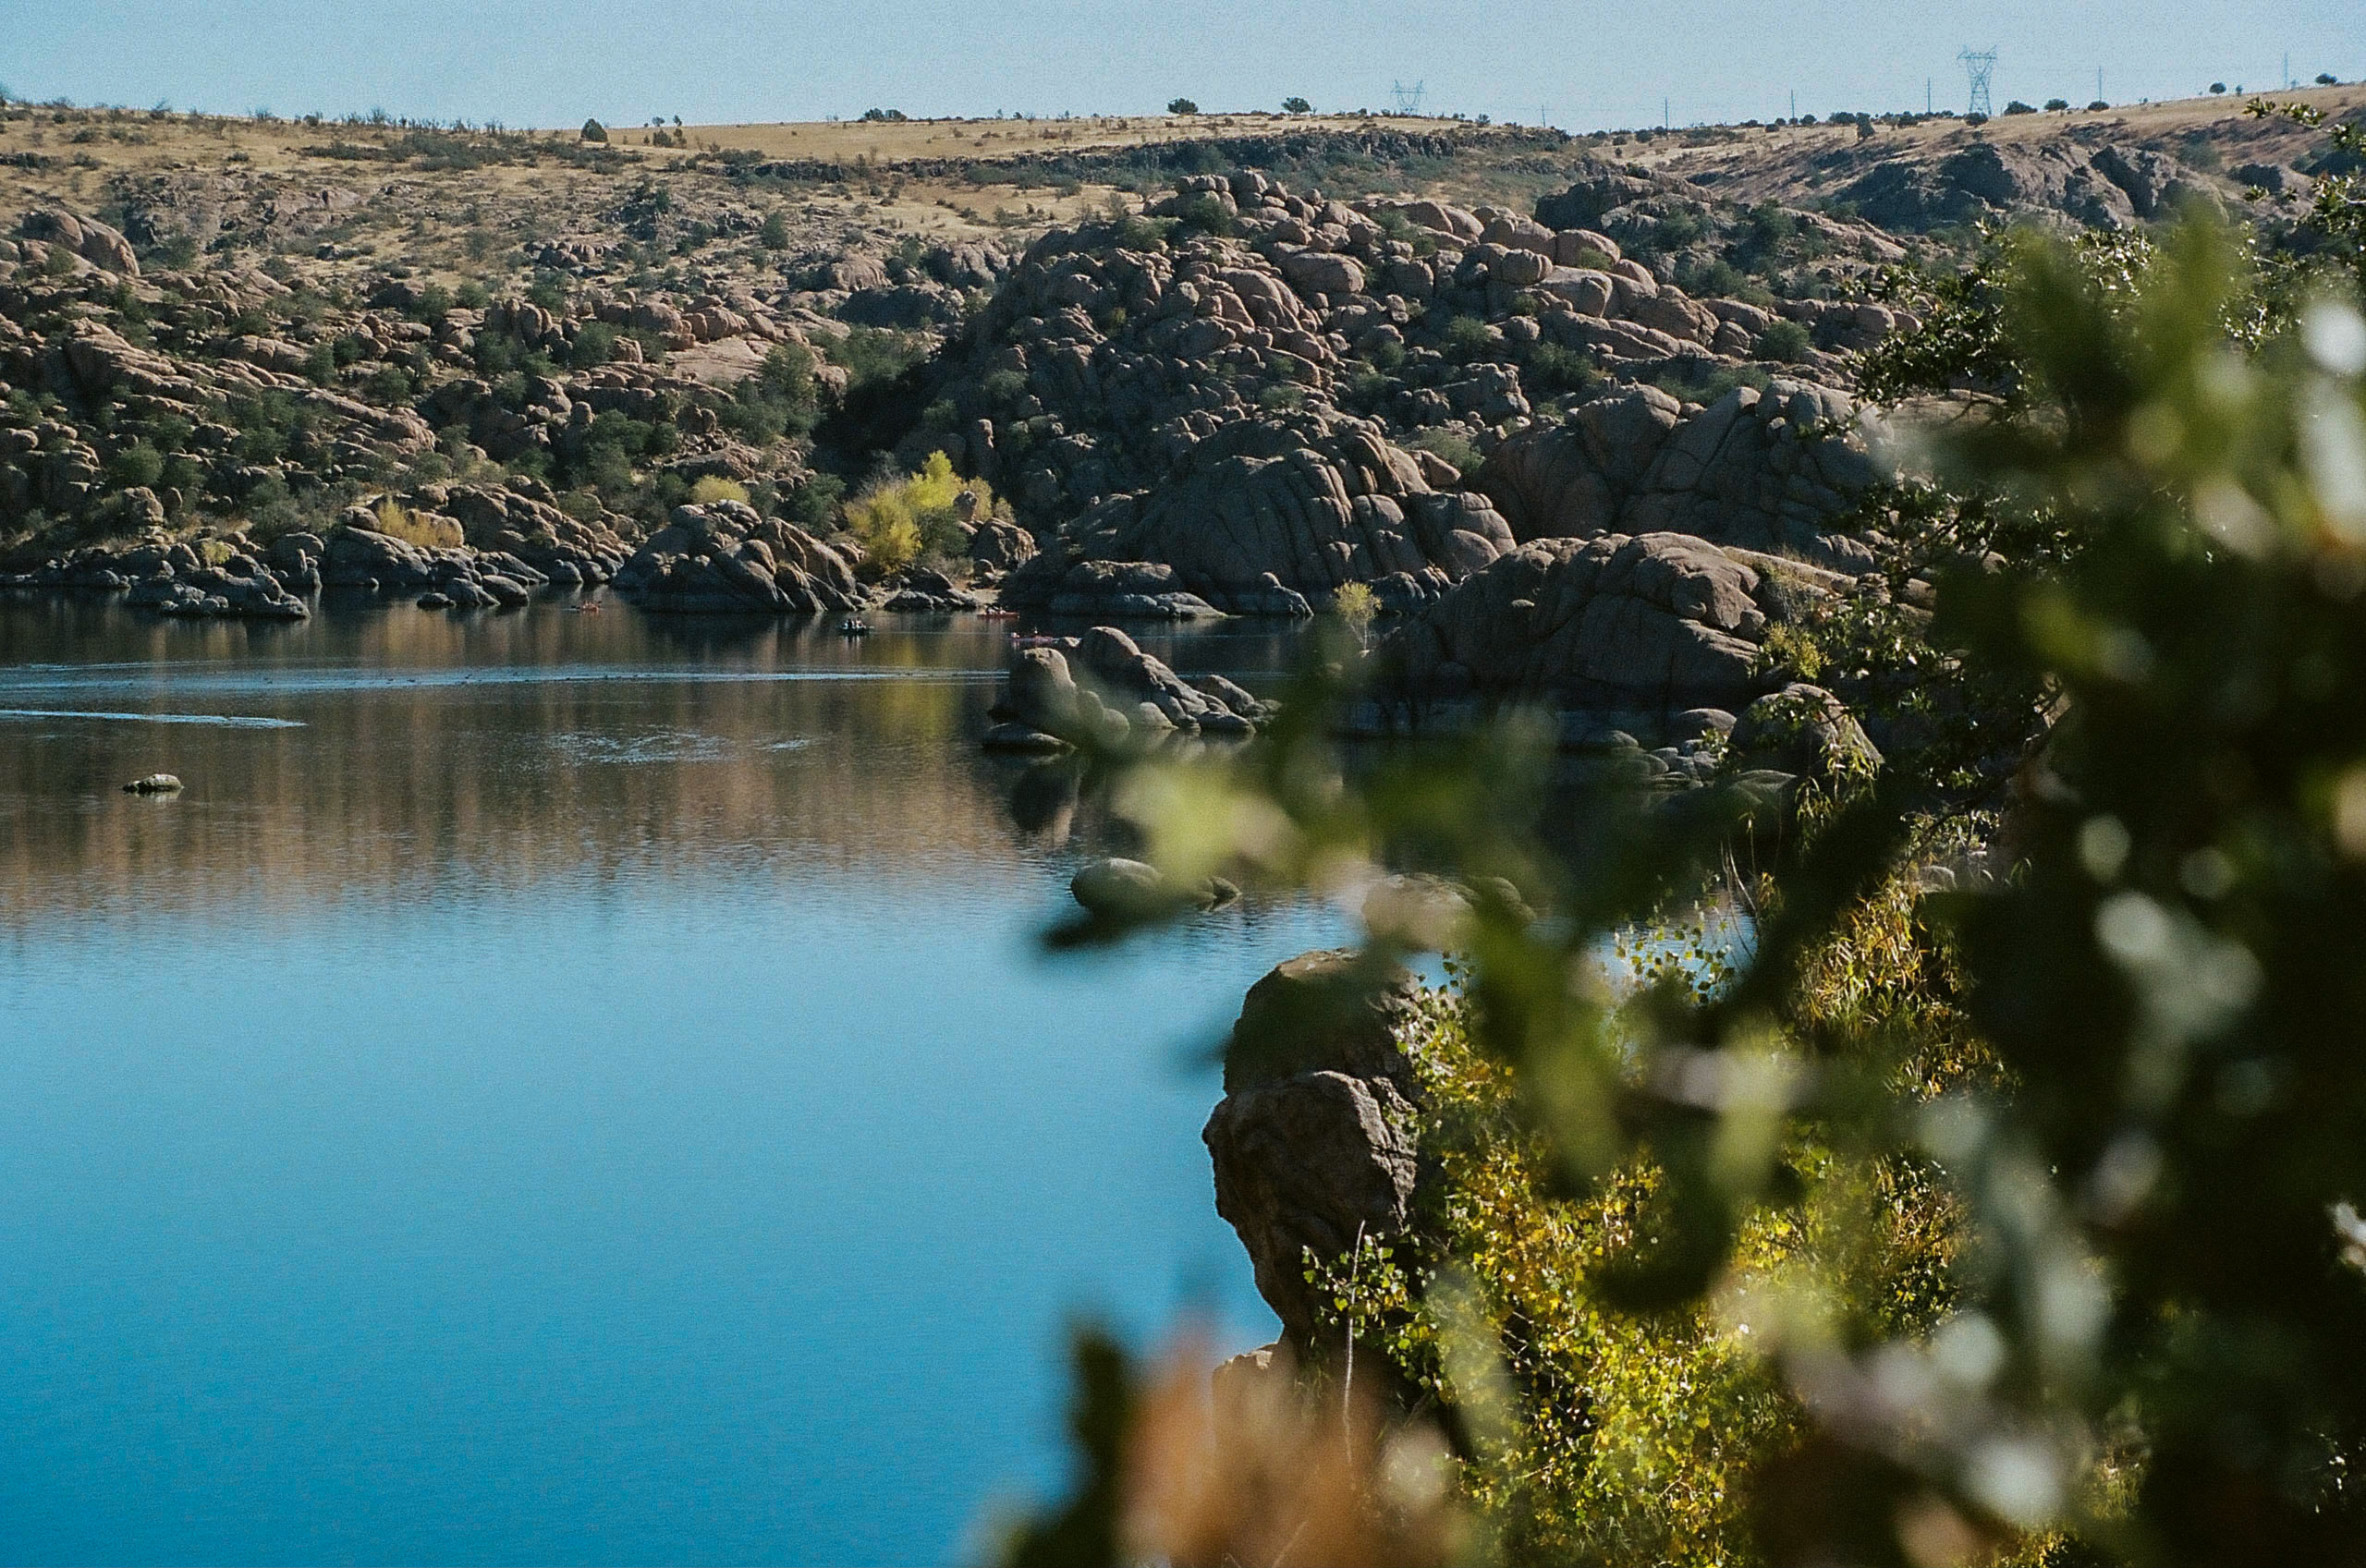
(1981, 64)
(1409, 99)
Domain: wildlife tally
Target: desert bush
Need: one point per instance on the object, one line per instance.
(1454, 447)
(138, 465)
(420, 528)
(896, 521)
(594, 131)
(1784, 340)
(1466, 337)
(714, 488)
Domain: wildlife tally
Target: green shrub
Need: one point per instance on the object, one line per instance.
(594, 131)
(1204, 214)
(812, 504)
(1182, 106)
(874, 356)
(1466, 337)
(594, 344)
(1786, 341)
(1454, 447)
(1552, 369)
(782, 399)
(773, 235)
(137, 466)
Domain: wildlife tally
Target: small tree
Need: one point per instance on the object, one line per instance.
(1182, 106)
(2098, 105)
(773, 235)
(594, 131)
(2324, 78)
(2217, 87)
(2018, 107)
(1296, 107)
(2057, 106)
(1356, 605)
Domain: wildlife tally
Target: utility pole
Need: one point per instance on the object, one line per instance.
(2099, 84)
(1664, 114)
(1795, 103)
(1930, 104)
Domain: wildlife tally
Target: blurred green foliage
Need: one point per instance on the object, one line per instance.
(1995, 1200)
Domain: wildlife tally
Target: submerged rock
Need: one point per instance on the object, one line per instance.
(1136, 889)
(154, 783)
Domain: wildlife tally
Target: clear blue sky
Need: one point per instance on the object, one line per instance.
(1590, 63)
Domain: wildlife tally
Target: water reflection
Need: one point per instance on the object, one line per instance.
(567, 1088)
(382, 752)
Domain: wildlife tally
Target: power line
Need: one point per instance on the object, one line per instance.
(1409, 99)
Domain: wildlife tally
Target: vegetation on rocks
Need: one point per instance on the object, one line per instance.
(1989, 1196)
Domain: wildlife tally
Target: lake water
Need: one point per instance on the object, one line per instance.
(567, 1088)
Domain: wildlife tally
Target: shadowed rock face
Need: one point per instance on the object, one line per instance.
(1766, 471)
(2110, 187)
(722, 559)
(1315, 1142)
(1656, 621)
(1303, 505)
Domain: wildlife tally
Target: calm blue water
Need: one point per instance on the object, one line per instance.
(565, 1090)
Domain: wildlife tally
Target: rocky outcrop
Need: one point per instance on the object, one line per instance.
(1766, 472)
(1102, 691)
(2110, 187)
(515, 521)
(1264, 517)
(724, 559)
(1316, 1143)
(1658, 623)
(1232, 396)
(94, 241)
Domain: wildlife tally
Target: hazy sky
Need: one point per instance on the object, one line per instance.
(1587, 65)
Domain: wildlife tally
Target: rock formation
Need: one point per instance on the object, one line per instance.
(1102, 691)
(1767, 471)
(724, 559)
(1316, 1143)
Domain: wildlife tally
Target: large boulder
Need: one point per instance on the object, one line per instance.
(1316, 1143)
(1305, 506)
(724, 559)
(559, 545)
(94, 241)
(1101, 689)
(1651, 623)
(360, 556)
(1767, 471)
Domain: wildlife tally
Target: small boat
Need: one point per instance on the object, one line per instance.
(997, 612)
(854, 625)
(587, 609)
(1038, 640)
